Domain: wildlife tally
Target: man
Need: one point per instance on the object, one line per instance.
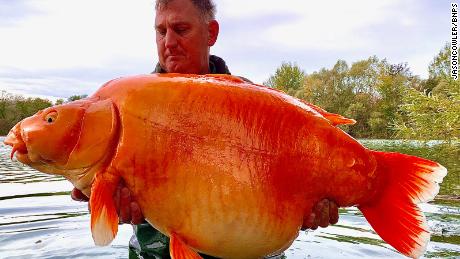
(185, 31)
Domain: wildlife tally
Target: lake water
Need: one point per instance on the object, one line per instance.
(38, 219)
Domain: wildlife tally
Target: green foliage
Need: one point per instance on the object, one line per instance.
(364, 75)
(385, 99)
(393, 82)
(76, 97)
(361, 110)
(438, 69)
(330, 89)
(433, 111)
(434, 115)
(288, 78)
(440, 65)
(369, 91)
(15, 108)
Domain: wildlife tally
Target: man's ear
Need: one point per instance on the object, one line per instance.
(213, 29)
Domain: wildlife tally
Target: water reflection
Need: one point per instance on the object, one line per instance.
(39, 220)
(15, 172)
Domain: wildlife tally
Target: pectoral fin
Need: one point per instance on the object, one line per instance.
(104, 217)
(179, 250)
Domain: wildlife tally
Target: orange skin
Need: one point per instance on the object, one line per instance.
(212, 152)
(232, 168)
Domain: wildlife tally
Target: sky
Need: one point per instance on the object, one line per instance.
(58, 48)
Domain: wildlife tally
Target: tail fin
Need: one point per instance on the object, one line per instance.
(394, 215)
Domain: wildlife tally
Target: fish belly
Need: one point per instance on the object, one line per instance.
(221, 203)
(231, 170)
(220, 215)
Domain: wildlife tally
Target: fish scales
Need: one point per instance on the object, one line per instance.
(222, 166)
(180, 116)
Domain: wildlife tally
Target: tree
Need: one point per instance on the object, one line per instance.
(369, 91)
(433, 113)
(364, 75)
(15, 108)
(394, 81)
(288, 78)
(5, 101)
(76, 97)
(361, 110)
(432, 116)
(439, 68)
(440, 65)
(330, 89)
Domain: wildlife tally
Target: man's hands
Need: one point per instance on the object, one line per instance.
(77, 195)
(128, 210)
(324, 212)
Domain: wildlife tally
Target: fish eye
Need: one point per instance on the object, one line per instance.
(51, 117)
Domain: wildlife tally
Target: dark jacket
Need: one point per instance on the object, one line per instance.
(216, 66)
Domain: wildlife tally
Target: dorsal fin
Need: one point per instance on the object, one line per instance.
(335, 119)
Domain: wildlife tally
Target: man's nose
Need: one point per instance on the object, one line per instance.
(170, 39)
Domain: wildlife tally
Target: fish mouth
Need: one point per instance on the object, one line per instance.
(15, 140)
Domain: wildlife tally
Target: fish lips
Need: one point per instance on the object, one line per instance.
(14, 139)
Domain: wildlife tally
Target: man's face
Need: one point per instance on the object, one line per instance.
(183, 38)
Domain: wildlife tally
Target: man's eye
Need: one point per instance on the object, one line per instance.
(161, 31)
(181, 31)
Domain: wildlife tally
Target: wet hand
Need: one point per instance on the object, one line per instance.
(77, 195)
(324, 213)
(128, 210)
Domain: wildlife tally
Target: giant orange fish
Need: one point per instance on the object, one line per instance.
(222, 166)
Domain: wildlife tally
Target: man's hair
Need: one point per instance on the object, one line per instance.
(207, 8)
